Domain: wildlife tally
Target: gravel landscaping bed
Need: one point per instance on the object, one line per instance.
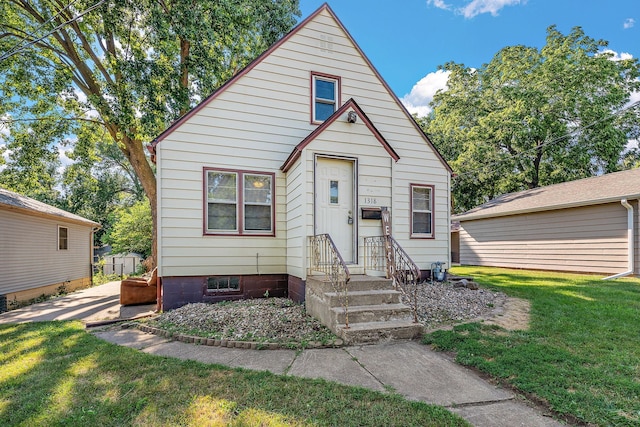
(282, 321)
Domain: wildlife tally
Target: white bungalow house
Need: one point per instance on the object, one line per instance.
(307, 140)
(42, 248)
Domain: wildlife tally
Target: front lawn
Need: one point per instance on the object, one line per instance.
(57, 374)
(581, 355)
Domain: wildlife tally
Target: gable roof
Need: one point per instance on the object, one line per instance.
(14, 201)
(596, 190)
(325, 7)
(350, 104)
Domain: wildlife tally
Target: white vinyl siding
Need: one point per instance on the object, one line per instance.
(255, 123)
(587, 239)
(30, 256)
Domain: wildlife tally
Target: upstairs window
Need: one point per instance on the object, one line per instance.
(326, 96)
(421, 211)
(63, 238)
(239, 202)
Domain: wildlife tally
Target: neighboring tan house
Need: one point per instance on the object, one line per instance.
(42, 248)
(307, 139)
(589, 225)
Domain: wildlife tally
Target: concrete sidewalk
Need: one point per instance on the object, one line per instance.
(405, 367)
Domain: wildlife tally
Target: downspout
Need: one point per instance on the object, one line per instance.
(630, 241)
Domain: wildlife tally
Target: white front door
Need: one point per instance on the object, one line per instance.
(334, 194)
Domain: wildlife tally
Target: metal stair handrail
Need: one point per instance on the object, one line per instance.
(325, 258)
(384, 253)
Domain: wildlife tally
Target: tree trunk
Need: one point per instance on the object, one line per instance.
(134, 151)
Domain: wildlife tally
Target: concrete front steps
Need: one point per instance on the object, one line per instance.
(374, 309)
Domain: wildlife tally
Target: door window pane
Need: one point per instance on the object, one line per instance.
(333, 192)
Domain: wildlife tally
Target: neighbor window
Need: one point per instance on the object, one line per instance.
(239, 202)
(421, 211)
(63, 238)
(326, 94)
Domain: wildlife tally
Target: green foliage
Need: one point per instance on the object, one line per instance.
(56, 373)
(578, 355)
(534, 117)
(132, 230)
(124, 71)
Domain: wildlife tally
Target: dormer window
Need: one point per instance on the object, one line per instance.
(326, 96)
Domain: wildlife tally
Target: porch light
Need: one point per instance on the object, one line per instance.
(352, 117)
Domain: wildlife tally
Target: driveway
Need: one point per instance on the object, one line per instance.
(88, 305)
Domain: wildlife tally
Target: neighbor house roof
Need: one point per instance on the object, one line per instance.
(14, 201)
(607, 188)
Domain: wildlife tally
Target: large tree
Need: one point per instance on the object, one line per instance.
(133, 66)
(534, 117)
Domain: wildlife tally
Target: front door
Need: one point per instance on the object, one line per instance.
(334, 192)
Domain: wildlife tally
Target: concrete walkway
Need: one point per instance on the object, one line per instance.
(405, 367)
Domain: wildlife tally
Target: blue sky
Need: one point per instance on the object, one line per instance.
(406, 40)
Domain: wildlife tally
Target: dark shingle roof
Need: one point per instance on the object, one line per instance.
(15, 201)
(584, 192)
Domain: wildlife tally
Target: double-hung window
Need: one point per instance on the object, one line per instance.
(239, 202)
(421, 211)
(326, 94)
(63, 238)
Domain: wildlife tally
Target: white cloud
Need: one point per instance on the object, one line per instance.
(476, 7)
(417, 101)
(628, 23)
(440, 4)
(615, 56)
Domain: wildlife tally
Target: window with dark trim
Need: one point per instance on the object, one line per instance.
(239, 202)
(421, 211)
(325, 91)
(63, 238)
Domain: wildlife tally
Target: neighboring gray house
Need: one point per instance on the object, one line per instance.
(41, 249)
(589, 225)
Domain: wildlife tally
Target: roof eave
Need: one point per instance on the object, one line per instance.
(49, 215)
(473, 216)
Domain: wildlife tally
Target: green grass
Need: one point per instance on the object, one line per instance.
(581, 355)
(56, 374)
